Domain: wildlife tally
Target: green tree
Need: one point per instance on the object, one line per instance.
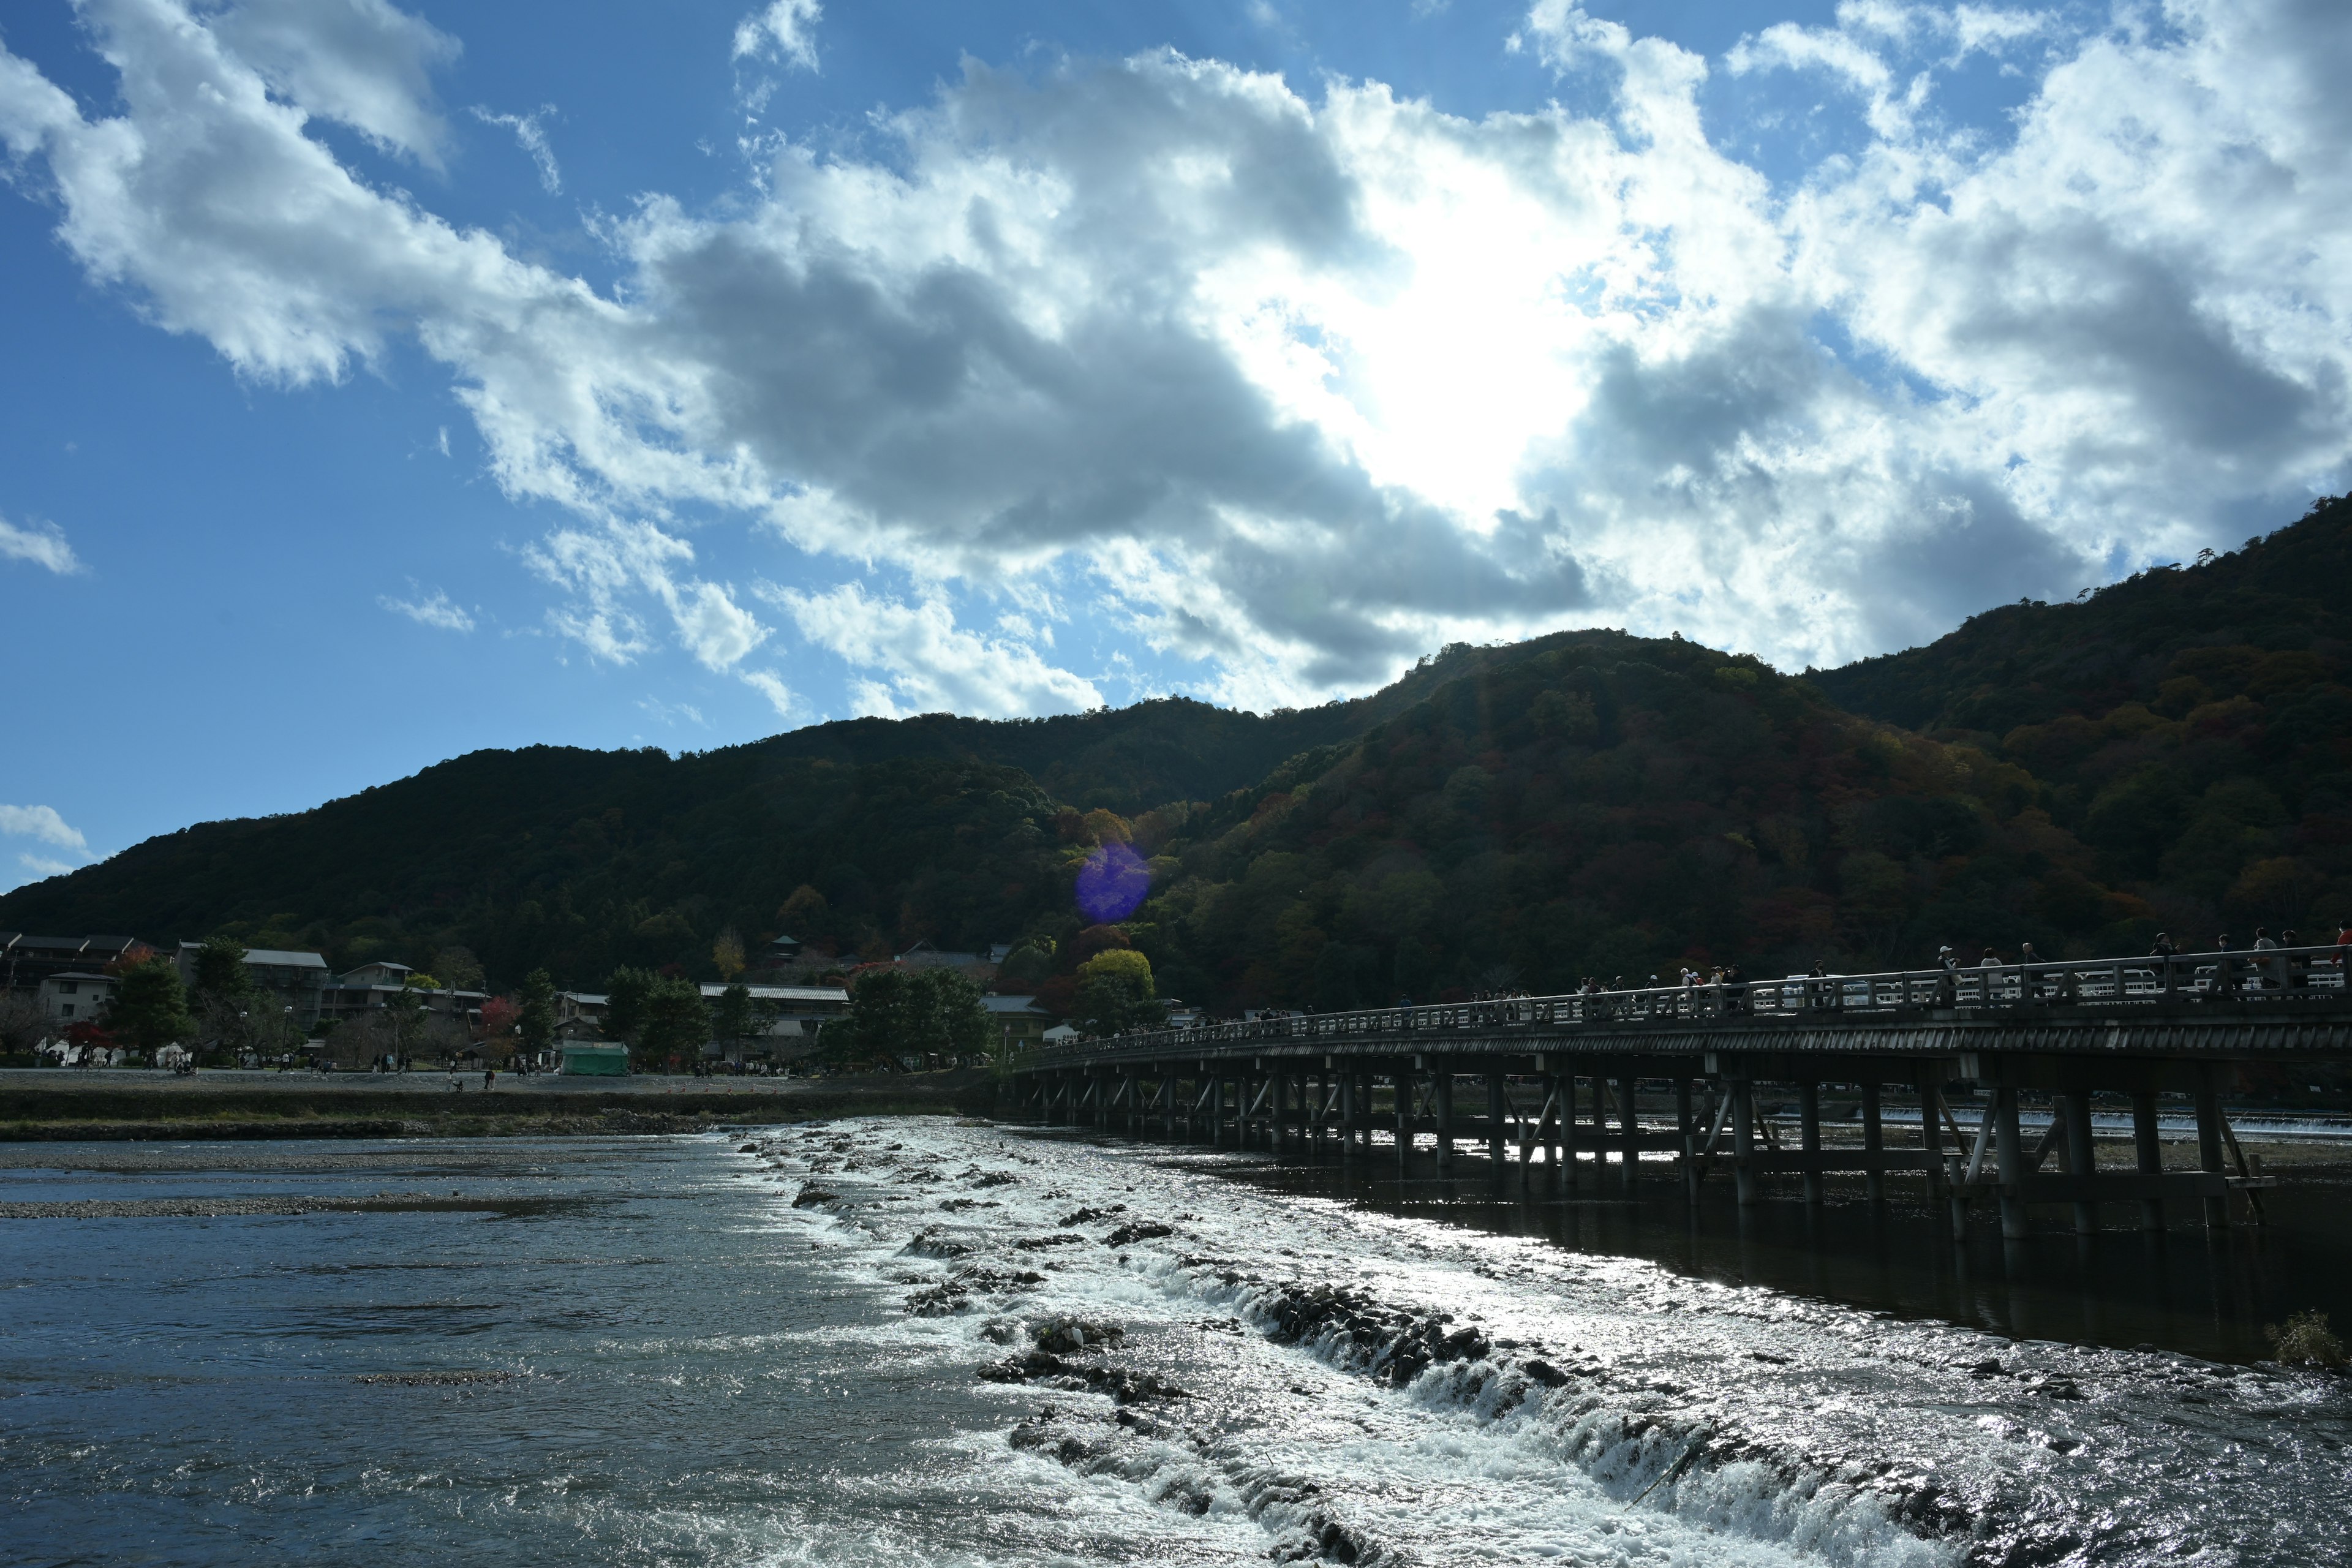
(1115, 992)
(150, 1007)
(220, 968)
(458, 968)
(896, 1013)
(964, 1023)
(412, 1026)
(535, 1014)
(731, 1015)
(887, 1013)
(676, 1021)
(626, 995)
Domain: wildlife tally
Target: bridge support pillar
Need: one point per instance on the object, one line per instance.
(1497, 1108)
(2009, 1146)
(1809, 1136)
(1570, 1165)
(1549, 1133)
(1874, 1142)
(1168, 1102)
(2082, 1157)
(1684, 1125)
(1282, 1105)
(1349, 1109)
(2149, 1151)
(1406, 1084)
(1743, 1141)
(1931, 1145)
(1630, 1117)
(1444, 1087)
(2209, 1142)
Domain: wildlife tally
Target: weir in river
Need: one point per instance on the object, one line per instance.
(1939, 1073)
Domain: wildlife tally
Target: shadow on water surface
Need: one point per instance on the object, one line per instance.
(2204, 1293)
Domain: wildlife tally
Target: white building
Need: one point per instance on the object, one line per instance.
(76, 996)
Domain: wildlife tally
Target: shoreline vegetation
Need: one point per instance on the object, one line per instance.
(419, 1105)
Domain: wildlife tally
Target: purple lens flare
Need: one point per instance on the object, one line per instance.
(1112, 883)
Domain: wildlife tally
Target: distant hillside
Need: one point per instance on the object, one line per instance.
(1129, 759)
(2173, 751)
(1614, 807)
(2193, 723)
(934, 826)
(2029, 663)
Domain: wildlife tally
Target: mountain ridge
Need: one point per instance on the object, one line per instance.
(2174, 750)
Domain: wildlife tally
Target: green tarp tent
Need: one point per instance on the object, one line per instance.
(583, 1059)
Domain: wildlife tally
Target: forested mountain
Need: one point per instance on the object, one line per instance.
(1613, 807)
(581, 860)
(2175, 750)
(1130, 759)
(2193, 724)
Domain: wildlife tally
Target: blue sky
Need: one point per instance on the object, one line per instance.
(389, 381)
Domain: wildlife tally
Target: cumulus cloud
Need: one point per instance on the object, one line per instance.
(784, 29)
(42, 823)
(42, 544)
(434, 610)
(531, 137)
(361, 62)
(771, 687)
(1301, 385)
(44, 826)
(926, 663)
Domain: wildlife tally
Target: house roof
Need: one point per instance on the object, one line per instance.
(283, 958)
(83, 975)
(1013, 1004)
(784, 993)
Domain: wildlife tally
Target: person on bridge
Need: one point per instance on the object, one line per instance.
(2225, 976)
(2028, 985)
(1948, 985)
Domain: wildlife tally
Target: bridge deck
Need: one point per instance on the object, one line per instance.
(2285, 1003)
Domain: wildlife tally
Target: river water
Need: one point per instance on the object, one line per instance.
(916, 1342)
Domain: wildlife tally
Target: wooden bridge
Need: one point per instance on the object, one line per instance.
(1602, 1091)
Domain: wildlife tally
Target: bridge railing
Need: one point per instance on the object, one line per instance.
(2271, 975)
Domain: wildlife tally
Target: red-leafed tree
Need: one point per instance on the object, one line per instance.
(498, 1015)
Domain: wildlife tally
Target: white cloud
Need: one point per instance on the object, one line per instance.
(40, 822)
(928, 663)
(671, 712)
(42, 544)
(771, 687)
(43, 866)
(784, 29)
(532, 138)
(1302, 385)
(361, 62)
(434, 609)
(714, 629)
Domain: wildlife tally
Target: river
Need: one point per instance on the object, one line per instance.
(915, 1342)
